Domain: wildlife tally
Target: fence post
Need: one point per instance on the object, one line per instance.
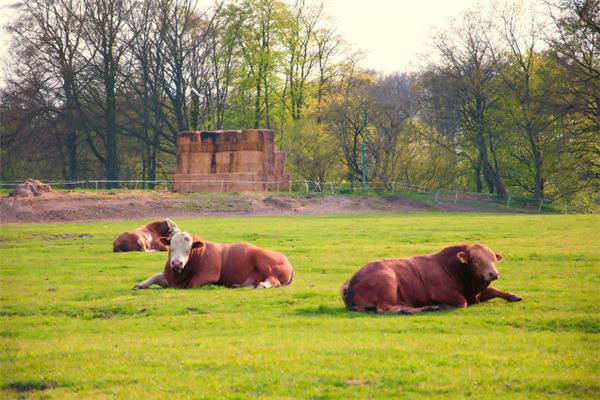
(508, 203)
(540, 207)
(221, 189)
(436, 195)
(96, 186)
(332, 190)
(456, 197)
(306, 184)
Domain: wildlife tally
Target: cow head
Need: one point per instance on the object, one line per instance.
(129, 241)
(172, 227)
(482, 261)
(180, 245)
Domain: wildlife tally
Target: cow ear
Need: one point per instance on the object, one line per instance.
(462, 257)
(499, 257)
(164, 241)
(197, 244)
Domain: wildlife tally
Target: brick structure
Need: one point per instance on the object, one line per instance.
(229, 161)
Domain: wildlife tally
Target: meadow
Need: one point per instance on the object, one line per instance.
(72, 328)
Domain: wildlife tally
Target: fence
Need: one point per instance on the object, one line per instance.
(456, 197)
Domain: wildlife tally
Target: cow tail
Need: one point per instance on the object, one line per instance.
(346, 293)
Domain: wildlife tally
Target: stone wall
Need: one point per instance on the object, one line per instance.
(229, 161)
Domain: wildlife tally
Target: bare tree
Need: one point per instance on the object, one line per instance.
(107, 43)
(48, 37)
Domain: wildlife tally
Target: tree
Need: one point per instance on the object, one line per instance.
(528, 81)
(390, 104)
(575, 45)
(107, 45)
(343, 120)
(312, 153)
(48, 37)
(467, 67)
(222, 39)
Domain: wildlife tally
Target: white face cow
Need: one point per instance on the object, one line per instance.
(181, 245)
(482, 260)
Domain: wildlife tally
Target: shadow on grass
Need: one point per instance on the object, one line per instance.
(342, 312)
(30, 386)
(321, 310)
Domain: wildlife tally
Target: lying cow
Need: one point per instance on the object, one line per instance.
(457, 276)
(193, 262)
(146, 238)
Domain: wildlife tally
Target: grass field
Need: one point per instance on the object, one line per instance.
(72, 328)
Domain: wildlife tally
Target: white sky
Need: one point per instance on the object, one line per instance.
(394, 34)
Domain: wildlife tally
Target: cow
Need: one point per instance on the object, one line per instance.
(454, 277)
(146, 238)
(194, 262)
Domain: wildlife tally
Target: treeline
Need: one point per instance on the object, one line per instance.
(100, 88)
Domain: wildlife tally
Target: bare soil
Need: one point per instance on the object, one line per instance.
(55, 207)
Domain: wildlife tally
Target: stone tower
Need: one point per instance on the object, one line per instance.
(229, 161)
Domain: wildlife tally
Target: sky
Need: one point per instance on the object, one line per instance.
(393, 34)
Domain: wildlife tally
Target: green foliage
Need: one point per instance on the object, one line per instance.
(71, 328)
(311, 152)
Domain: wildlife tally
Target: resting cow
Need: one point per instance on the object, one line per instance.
(457, 276)
(193, 262)
(146, 238)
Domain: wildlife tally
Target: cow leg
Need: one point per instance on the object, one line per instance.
(157, 279)
(270, 282)
(491, 293)
(265, 270)
(249, 283)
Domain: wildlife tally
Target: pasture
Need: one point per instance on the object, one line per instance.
(72, 328)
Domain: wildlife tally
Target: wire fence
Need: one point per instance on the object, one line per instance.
(443, 196)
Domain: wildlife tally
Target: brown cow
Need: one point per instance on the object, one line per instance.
(193, 262)
(146, 238)
(457, 276)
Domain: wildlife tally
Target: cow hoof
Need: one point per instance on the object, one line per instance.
(137, 287)
(515, 298)
(432, 308)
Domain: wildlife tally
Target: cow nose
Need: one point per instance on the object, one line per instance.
(493, 276)
(177, 264)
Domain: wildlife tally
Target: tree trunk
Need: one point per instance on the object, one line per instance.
(488, 172)
(112, 160)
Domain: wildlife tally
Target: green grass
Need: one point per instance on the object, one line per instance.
(71, 328)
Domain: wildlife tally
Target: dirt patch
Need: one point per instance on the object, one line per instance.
(128, 204)
(279, 204)
(67, 236)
